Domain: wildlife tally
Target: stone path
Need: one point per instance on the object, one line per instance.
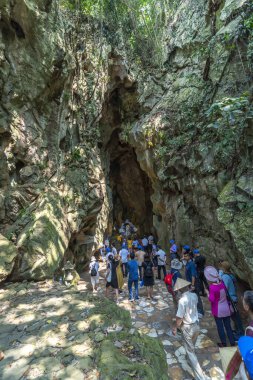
(48, 332)
(155, 318)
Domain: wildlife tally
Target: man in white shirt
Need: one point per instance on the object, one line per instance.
(187, 320)
(161, 261)
(124, 259)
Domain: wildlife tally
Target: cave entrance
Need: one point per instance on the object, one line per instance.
(131, 188)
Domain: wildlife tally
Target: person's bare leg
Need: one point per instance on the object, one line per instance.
(151, 291)
(117, 295)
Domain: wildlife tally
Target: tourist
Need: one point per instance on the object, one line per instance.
(135, 242)
(187, 249)
(200, 262)
(150, 243)
(139, 254)
(114, 250)
(187, 320)
(119, 272)
(171, 278)
(148, 275)
(219, 306)
(94, 274)
(124, 253)
(191, 276)
(111, 277)
(248, 307)
(108, 253)
(132, 267)
(144, 243)
(229, 281)
(173, 246)
(173, 253)
(161, 262)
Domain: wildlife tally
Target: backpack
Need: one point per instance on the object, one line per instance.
(168, 279)
(148, 270)
(93, 271)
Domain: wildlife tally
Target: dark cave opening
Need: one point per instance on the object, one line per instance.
(131, 188)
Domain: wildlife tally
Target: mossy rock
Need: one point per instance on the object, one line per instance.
(8, 253)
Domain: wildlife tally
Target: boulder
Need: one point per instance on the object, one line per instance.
(8, 253)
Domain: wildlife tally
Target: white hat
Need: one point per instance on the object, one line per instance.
(180, 284)
(176, 264)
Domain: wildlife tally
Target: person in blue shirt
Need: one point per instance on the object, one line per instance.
(132, 266)
(229, 281)
(191, 275)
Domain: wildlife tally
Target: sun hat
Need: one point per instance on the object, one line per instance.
(186, 248)
(196, 251)
(180, 284)
(172, 241)
(231, 360)
(93, 258)
(176, 264)
(245, 344)
(211, 274)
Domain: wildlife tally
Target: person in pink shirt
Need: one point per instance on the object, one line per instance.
(219, 306)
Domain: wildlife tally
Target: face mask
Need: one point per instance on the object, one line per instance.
(184, 262)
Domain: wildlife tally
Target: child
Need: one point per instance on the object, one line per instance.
(94, 275)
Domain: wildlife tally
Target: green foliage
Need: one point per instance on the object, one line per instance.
(228, 118)
(138, 25)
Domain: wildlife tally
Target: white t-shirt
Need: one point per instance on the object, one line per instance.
(145, 242)
(123, 254)
(187, 308)
(161, 257)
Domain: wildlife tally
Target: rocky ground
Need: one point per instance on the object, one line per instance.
(50, 332)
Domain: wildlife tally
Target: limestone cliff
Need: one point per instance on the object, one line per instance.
(72, 104)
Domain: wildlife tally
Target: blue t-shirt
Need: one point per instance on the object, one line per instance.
(132, 270)
(190, 271)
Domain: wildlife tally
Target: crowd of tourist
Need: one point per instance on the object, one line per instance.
(187, 277)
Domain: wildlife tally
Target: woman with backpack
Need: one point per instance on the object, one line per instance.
(148, 275)
(94, 274)
(229, 281)
(219, 306)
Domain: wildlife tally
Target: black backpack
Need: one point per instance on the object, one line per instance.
(148, 270)
(93, 271)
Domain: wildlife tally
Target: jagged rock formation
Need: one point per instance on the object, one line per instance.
(65, 102)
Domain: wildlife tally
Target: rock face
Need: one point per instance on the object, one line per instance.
(52, 187)
(189, 125)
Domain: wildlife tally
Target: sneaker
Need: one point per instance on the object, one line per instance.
(137, 298)
(130, 299)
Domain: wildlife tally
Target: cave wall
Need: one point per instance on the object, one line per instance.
(200, 162)
(52, 186)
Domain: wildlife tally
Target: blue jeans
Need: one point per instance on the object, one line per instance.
(130, 289)
(221, 323)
